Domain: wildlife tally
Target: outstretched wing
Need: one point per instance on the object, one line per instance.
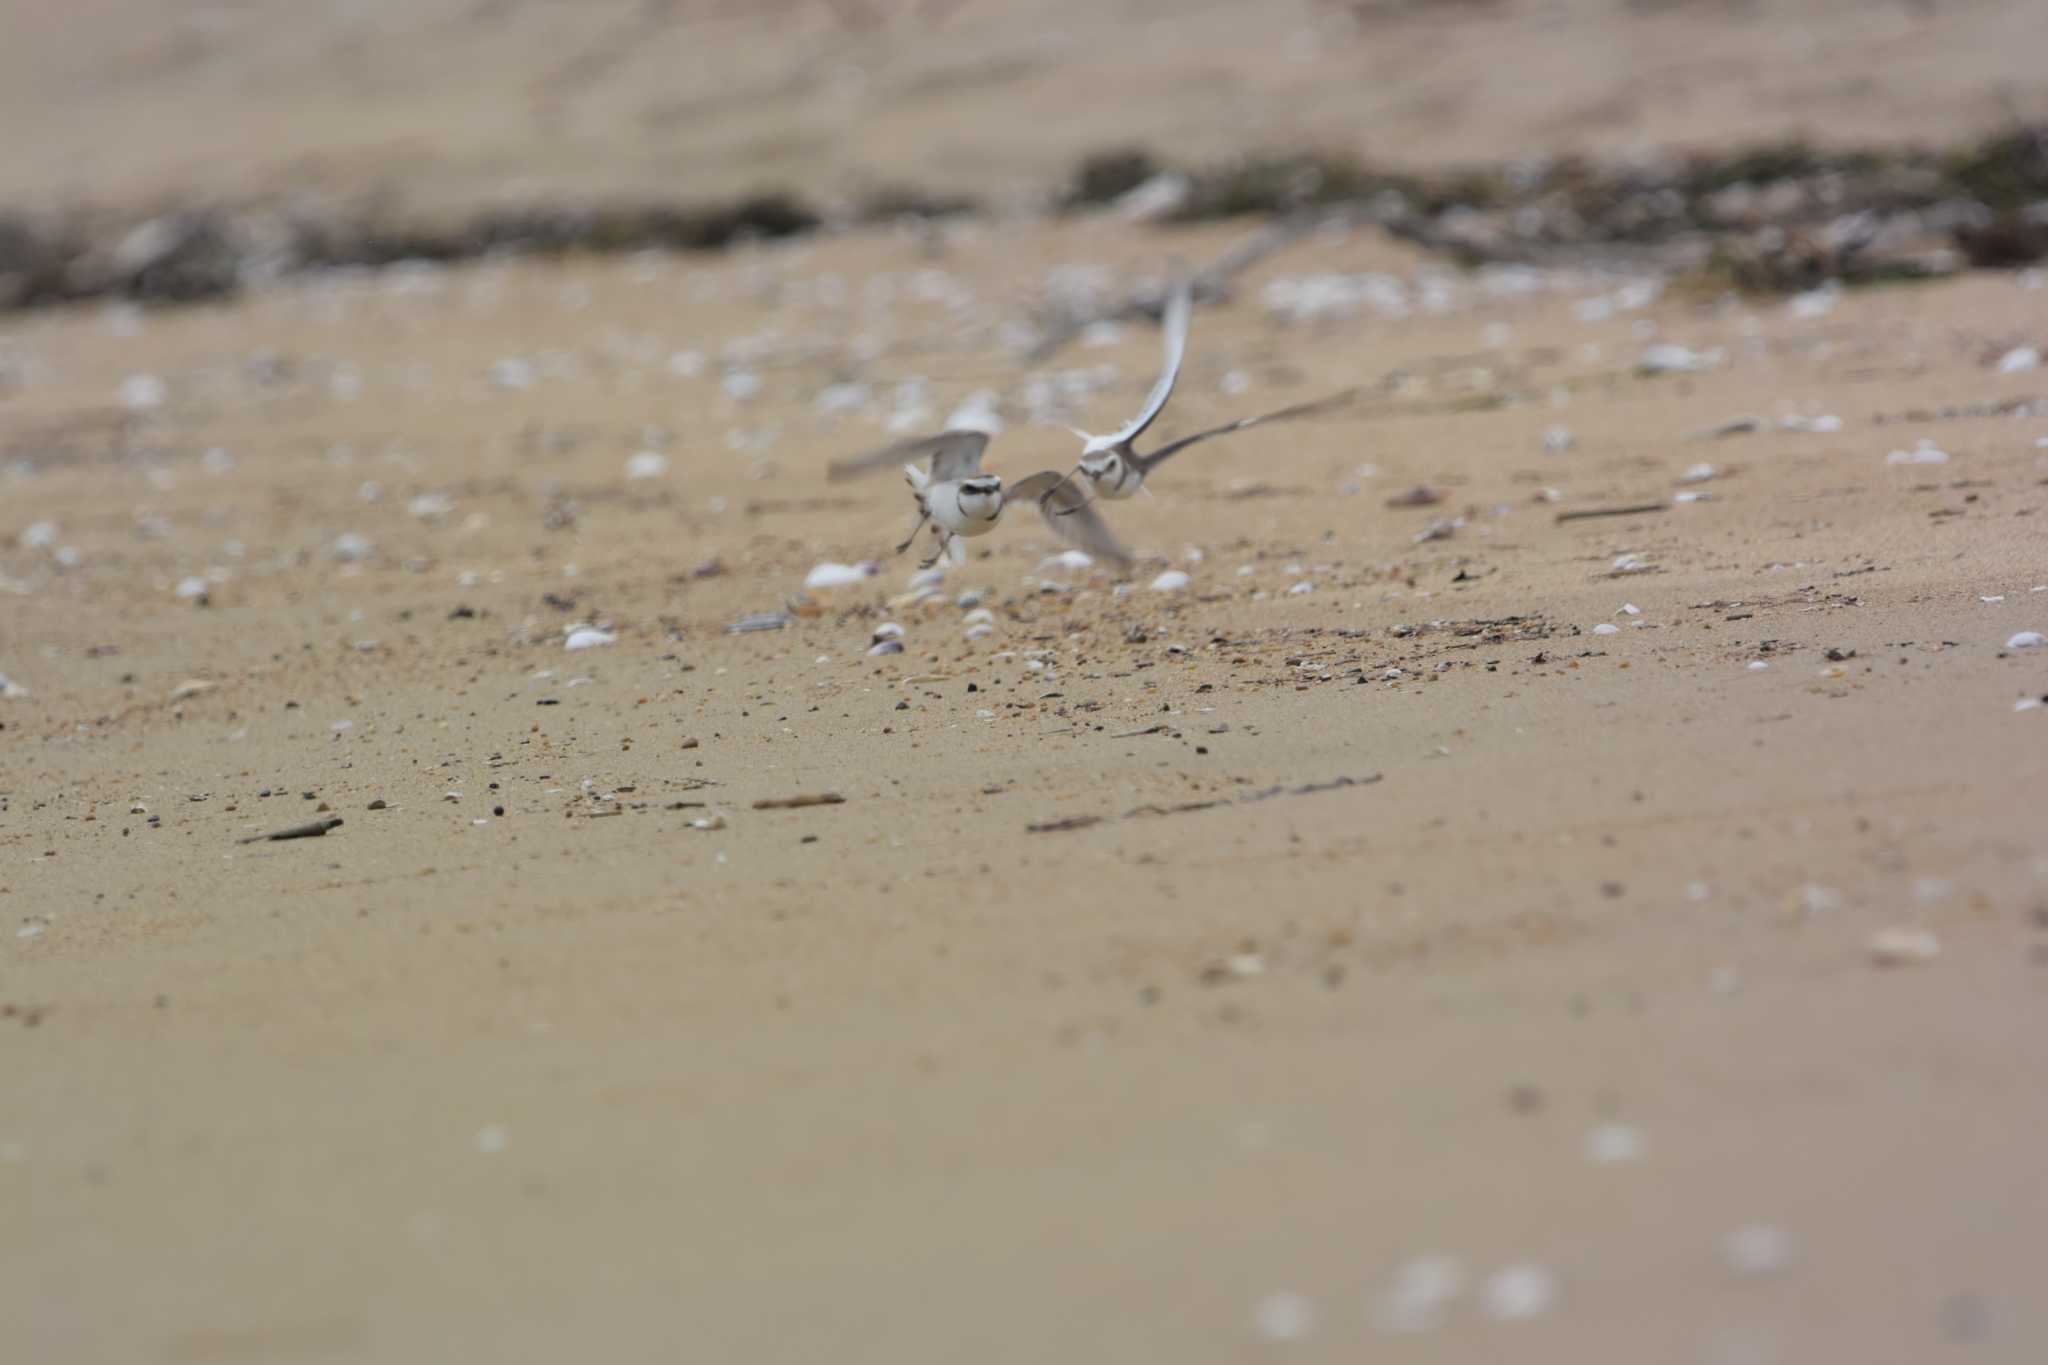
(954, 455)
(1174, 325)
(1152, 459)
(1070, 512)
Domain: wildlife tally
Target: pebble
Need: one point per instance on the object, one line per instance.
(2019, 359)
(648, 464)
(1172, 580)
(192, 587)
(493, 1138)
(587, 637)
(2027, 639)
(978, 616)
(980, 630)
(885, 647)
(1605, 628)
(1900, 947)
(1757, 665)
(1284, 1316)
(11, 690)
(1698, 473)
(1557, 440)
(1517, 1293)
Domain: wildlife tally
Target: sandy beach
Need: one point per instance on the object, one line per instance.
(1443, 925)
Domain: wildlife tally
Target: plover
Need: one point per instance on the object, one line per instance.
(1111, 469)
(961, 501)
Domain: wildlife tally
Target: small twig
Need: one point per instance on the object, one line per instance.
(312, 829)
(798, 802)
(1133, 734)
(1633, 510)
(1058, 826)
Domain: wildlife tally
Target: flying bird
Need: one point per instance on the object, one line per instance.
(1111, 468)
(959, 500)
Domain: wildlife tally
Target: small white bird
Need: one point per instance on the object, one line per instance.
(1112, 469)
(961, 501)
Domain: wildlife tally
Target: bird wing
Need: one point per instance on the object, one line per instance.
(1071, 513)
(1153, 459)
(1179, 303)
(954, 455)
(958, 455)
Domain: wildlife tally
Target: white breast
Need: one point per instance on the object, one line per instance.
(972, 515)
(1113, 478)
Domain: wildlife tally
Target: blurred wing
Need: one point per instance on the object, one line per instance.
(957, 455)
(1070, 512)
(1179, 303)
(936, 448)
(1152, 459)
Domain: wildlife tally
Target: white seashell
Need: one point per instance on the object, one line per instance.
(1698, 473)
(888, 630)
(1924, 453)
(1606, 628)
(2019, 359)
(1669, 358)
(142, 392)
(1517, 1293)
(1757, 1249)
(1172, 580)
(1614, 1144)
(1898, 947)
(834, 575)
(1421, 1289)
(979, 630)
(192, 587)
(885, 647)
(2027, 639)
(351, 546)
(1071, 561)
(1285, 1316)
(648, 464)
(587, 637)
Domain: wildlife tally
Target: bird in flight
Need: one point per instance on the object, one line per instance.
(960, 501)
(1111, 468)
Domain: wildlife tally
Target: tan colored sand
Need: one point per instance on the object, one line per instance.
(897, 1079)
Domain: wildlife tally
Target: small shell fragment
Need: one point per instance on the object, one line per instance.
(1901, 947)
(1517, 1293)
(588, 637)
(1170, 581)
(834, 575)
(2027, 639)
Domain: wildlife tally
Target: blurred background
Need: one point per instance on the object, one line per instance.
(471, 101)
